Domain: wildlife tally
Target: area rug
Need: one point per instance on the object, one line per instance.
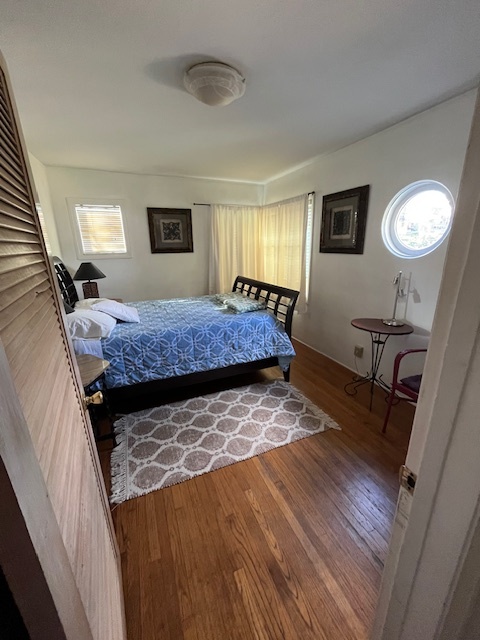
(175, 442)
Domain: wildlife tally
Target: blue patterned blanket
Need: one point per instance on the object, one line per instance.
(181, 336)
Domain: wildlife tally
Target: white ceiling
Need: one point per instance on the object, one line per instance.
(99, 82)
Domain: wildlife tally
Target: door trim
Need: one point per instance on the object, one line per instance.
(32, 552)
(433, 532)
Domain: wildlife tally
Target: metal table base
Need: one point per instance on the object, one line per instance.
(379, 335)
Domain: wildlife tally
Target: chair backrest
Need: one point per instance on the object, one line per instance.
(409, 386)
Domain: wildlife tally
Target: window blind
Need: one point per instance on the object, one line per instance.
(308, 243)
(43, 227)
(101, 228)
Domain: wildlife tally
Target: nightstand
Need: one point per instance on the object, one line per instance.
(91, 370)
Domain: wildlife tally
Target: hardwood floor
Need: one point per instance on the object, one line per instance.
(290, 544)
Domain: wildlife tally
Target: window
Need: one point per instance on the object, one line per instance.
(270, 243)
(43, 227)
(99, 229)
(418, 219)
(308, 243)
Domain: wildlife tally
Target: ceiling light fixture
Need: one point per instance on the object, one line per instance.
(214, 83)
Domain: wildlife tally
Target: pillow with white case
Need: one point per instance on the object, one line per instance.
(87, 323)
(222, 298)
(117, 310)
(244, 305)
(88, 303)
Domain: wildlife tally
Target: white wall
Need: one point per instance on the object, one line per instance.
(44, 198)
(146, 275)
(429, 145)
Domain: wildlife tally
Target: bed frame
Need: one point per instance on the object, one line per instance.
(65, 282)
(279, 300)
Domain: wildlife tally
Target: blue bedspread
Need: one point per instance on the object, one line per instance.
(181, 336)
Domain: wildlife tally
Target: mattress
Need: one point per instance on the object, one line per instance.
(188, 335)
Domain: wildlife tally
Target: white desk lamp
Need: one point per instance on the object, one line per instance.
(399, 293)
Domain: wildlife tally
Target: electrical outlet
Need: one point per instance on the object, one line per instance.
(358, 351)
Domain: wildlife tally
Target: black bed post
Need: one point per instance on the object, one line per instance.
(286, 375)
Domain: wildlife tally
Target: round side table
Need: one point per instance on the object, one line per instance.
(379, 334)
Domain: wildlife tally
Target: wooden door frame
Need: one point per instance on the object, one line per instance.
(54, 582)
(92, 445)
(32, 552)
(61, 313)
(435, 532)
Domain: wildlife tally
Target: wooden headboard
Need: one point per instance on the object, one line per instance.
(65, 282)
(279, 300)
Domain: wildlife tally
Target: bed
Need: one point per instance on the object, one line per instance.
(191, 340)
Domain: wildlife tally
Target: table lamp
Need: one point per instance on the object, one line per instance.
(88, 271)
(399, 293)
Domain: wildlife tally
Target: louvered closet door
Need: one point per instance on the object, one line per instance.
(33, 336)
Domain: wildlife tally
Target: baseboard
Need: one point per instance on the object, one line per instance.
(305, 344)
(340, 364)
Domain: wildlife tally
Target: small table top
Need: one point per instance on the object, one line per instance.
(375, 325)
(91, 368)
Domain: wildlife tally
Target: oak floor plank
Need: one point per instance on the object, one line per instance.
(324, 508)
(289, 554)
(185, 611)
(278, 520)
(336, 569)
(355, 512)
(260, 629)
(288, 545)
(221, 563)
(244, 536)
(338, 538)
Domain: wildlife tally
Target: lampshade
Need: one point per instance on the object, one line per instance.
(214, 83)
(88, 271)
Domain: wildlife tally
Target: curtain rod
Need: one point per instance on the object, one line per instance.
(207, 204)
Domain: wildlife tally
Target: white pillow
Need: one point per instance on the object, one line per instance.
(88, 303)
(117, 310)
(112, 307)
(86, 323)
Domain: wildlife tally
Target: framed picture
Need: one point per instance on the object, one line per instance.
(170, 230)
(344, 218)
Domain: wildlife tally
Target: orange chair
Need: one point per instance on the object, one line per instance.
(410, 386)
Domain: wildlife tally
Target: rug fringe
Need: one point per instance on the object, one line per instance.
(119, 458)
(143, 492)
(118, 461)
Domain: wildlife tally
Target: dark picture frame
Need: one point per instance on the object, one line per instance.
(344, 220)
(170, 230)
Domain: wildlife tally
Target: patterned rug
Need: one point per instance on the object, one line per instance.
(175, 442)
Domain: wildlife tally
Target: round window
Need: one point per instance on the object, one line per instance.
(418, 219)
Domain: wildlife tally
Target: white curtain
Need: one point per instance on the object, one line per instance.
(234, 245)
(266, 243)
